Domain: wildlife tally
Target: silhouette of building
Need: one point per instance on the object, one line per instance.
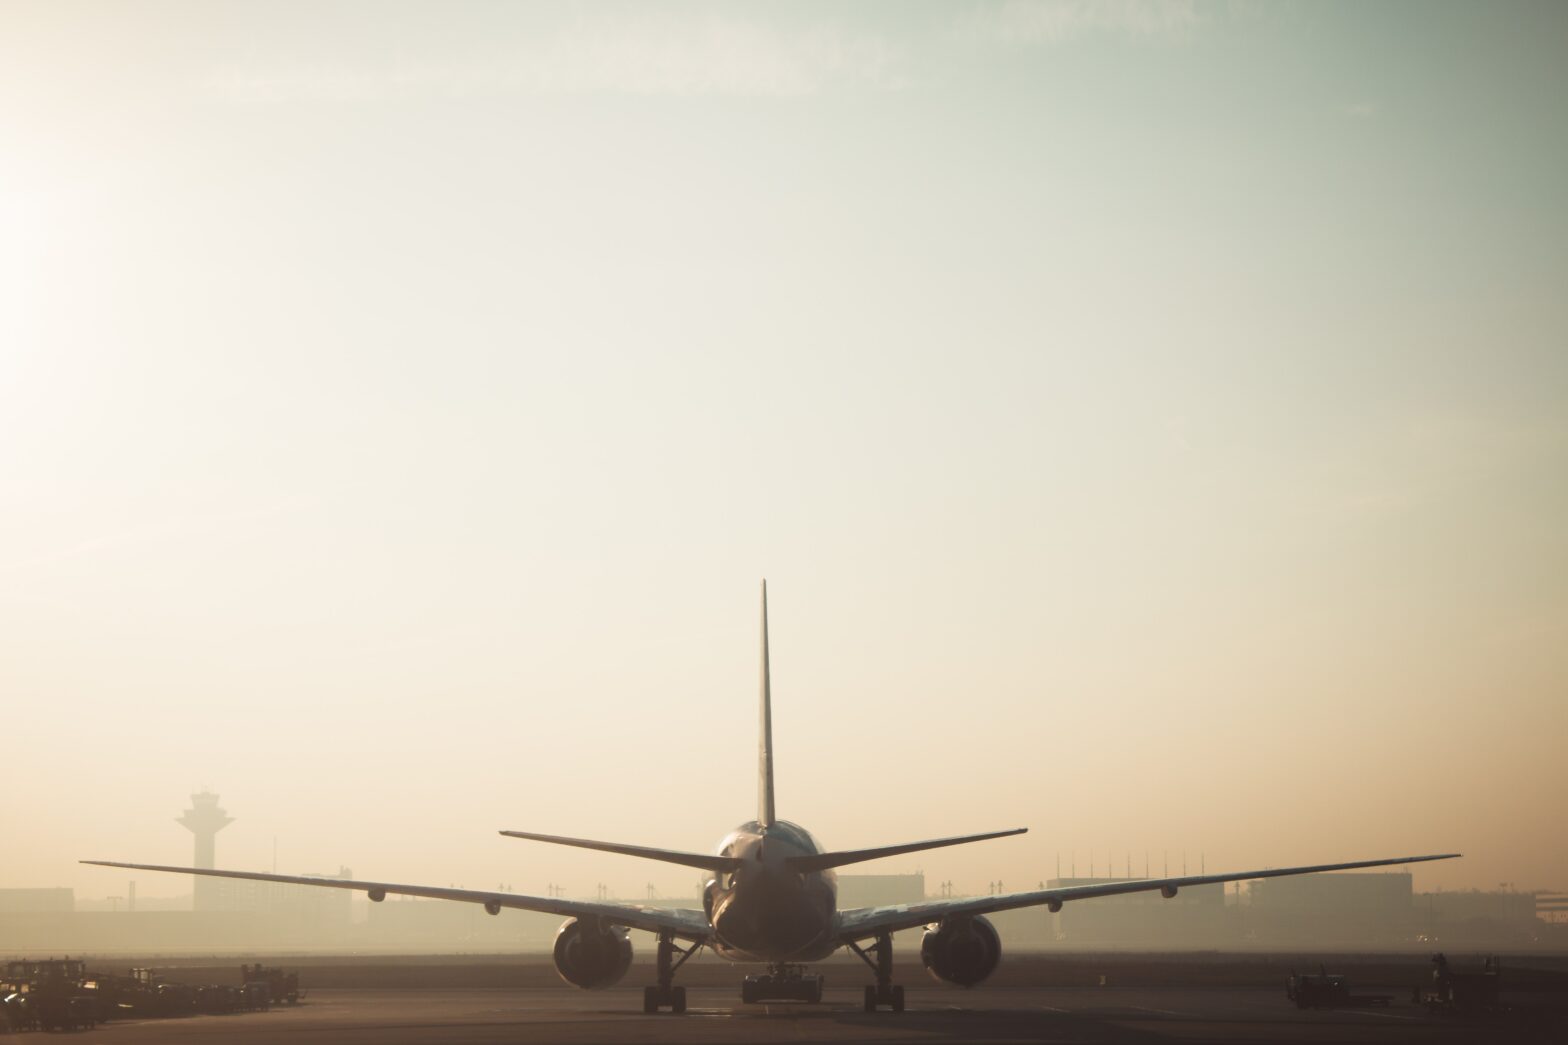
(204, 820)
(297, 909)
(37, 901)
(1474, 918)
(1552, 907)
(1331, 910)
(1197, 916)
(880, 890)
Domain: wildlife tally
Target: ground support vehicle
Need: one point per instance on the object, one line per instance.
(1467, 993)
(1328, 990)
(1317, 991)
(49, 995)
(16, 1012)
(61, 1011)
(282, 987)
(256, 996)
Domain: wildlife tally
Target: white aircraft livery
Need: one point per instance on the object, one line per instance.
(772, 897)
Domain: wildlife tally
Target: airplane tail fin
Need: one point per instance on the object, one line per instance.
(765, 815)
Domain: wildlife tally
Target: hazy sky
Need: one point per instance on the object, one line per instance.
(1152, 420)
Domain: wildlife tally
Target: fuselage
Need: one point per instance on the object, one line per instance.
(767, 911)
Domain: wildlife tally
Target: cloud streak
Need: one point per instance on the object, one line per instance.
(644, 55)
(1021, 23)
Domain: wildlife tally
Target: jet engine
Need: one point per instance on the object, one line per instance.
(961, 950)
(591, 956)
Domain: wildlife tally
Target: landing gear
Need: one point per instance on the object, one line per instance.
(884, 992)
(892, 997)
(665, 994)
(656, 998)
(784, 982)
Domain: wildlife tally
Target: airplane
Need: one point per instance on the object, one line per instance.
(772, 898)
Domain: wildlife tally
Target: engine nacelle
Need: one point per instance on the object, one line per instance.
(961, 950)
(592, 956)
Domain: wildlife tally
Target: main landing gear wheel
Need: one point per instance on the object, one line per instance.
(656, 998)
(884, 991)
(893, 999)
(665, 994)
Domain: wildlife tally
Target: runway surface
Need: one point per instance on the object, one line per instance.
(351, 1016)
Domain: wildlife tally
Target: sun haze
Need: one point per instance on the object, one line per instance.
(1151, 419)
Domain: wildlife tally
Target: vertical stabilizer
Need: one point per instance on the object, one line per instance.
(765, 741)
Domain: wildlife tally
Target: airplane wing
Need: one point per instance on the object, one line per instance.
(683, 923)
(863, 922)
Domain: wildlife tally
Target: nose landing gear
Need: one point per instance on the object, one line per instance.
(783, 982)
(884, 992)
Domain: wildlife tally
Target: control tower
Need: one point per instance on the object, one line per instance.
(204, 820)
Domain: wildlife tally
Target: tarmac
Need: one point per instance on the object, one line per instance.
(469, 1000)
(934, 1014)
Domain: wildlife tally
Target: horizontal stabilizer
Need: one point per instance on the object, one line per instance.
(823, 861)
(726, 864)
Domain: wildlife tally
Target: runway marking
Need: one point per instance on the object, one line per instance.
(1052, 1008)
(1157, 1012)
(1370, 1012)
